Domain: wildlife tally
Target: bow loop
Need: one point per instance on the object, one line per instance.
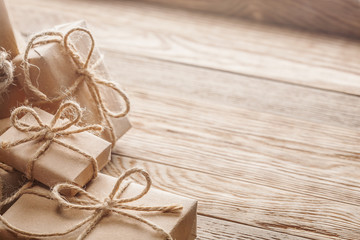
(75, 202)
(69, 109)
(124, 111)
(70, 48)
(117, 190)
(24, 127)
(36, 40)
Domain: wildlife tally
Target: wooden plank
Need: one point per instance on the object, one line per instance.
(328, 16)
(233, 90)
(214, 229)
(268, 170)
(293, 155)
(254, 205)
(228, 45)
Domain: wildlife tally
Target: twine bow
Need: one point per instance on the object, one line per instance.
(112, 204)
(86, 74)
(49, 133)
(6, 71)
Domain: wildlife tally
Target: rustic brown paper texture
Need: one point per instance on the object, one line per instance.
(58, 163)
(12, 98)
(7, 36)
(4, 125)
(55, 72)
(42, 215)
(10, 182)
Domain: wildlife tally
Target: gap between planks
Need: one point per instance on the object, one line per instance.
(212, 227)
(252, 205)
(287, 55)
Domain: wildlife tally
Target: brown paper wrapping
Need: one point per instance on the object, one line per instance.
(58, 72)
(10, 181)
(58, 163)
(11, 41)
(7, 36)
(41, 215)
(12, 98)
(4, 125)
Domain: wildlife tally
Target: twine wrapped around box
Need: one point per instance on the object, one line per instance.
(47, 134)
(85, 71)
(112, 204)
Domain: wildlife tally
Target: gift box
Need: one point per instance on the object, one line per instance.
(38, 214)
(10, 181)
(65, 158)
(4, 125)
(7, 35)
(63, 75)
(11, 93)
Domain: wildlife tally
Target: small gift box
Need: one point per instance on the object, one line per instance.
(108, 209)
(52, 150)
(11, 93)
(72, 68)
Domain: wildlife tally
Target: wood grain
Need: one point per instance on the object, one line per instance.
(180, 132)
(211, 228)
(241, 47)
(234, 90)
(207, 227)
(255, 205)
(328, 16)
(259, 123)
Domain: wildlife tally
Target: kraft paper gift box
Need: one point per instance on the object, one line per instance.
(58, 163)
(4, 125)
(10, 182)
(37, 214)
(58, 72)
(8, 41)
(11, 94)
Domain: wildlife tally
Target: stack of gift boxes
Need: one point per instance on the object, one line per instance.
(60, 118)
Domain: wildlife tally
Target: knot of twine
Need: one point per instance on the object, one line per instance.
(113, 204)
(6, 71)
(48, 134)
(86, 73)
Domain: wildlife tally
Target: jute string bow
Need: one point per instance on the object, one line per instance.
(6, 71)
(113, 204)
(86, 74)
(48, 134)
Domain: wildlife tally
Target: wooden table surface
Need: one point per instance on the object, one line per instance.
(259, 123)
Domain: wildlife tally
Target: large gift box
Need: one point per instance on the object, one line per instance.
(4, 125)
(71, 67)
(10, 181)
(64, 157)
(43, 215)
(11, 93)
(8, 41)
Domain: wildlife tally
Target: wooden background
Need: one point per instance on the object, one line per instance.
(258, 121)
